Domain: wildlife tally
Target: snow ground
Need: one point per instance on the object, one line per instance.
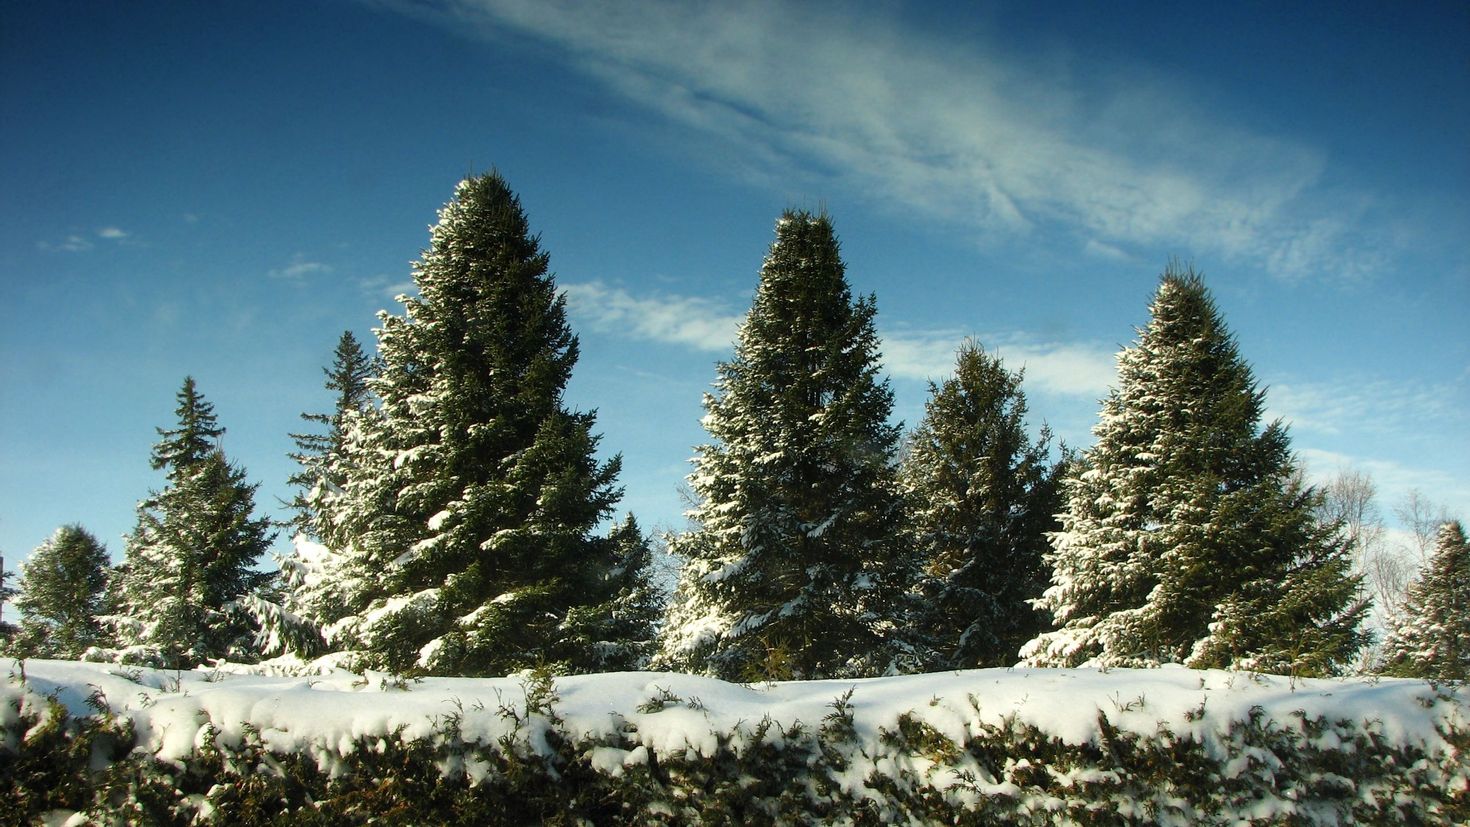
(324, 713)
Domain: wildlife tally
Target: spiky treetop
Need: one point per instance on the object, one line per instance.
(472, 492)
(194, 548)
(321, 455)
(791, 569)
(1184, 513)
(1430, 638)
(196, 437)
(984, 498)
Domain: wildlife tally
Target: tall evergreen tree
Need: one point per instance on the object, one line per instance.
(471, 496)
(794, 567)
(619, 633)
(1185, 538)
(8, 630)
(984, 498)
(62, 586)
(1430, 637)
(321, 453)
(309, 592)
(193, 551)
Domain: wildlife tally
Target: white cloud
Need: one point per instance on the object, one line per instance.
(1107, 251)
(1061, 368)
(1362, 406)
(955, 129)
(385, 286)
(922, 355)
(81, 243)
(681, 320)
(1069, 369)
(299, 268)
(70, 244)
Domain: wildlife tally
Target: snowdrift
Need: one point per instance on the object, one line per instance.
(114, 743)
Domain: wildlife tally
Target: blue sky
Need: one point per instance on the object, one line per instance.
(220, 189)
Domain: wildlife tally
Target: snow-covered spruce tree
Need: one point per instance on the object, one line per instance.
(61, 591)
(308, 592)
(1185, 538)
(1430, 637)
(193, 551)
(794, 570)
(471, 496)
(984, 498)
(619, 632)
(321, 454)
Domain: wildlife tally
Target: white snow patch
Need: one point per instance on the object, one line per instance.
(322, 715)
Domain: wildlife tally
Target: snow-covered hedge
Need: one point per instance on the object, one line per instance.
(109, 744)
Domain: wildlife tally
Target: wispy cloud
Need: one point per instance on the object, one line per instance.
(681, 320)
(1063, 368)
(70, 244)
(1069, 369)
(1419, 422)
(960, 130)
(82, 242)
(1366, 406)
(299, 268)
(1107, 251)
(386, 287)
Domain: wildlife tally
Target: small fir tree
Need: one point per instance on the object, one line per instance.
(794, 570)
(1430, 637)
(984, 498)
(8, 630)
(1185, 538)
(192, 554)
(620, 631)
(309, 589)
(321, 454)
(470, 497)
(61, 593)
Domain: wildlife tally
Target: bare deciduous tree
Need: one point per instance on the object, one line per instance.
(1423, 518)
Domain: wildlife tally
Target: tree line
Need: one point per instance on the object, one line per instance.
(449, 509)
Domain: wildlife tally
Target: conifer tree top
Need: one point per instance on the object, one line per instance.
(795, 561)
(802, 281)
(482, 229)
(1184, 539)
(488, 309)
(196, 436)
(469, 495)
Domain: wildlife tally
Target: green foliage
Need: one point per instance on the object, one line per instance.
(1186, 538)
(195, 438)
(1430, 638)
(618, 633)
(7, 591)
(321, 455)
(984, 498)
(193, 551)
(795, 566)
(62, 589)
(469, 498)
(49, 759)
(309, 590)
